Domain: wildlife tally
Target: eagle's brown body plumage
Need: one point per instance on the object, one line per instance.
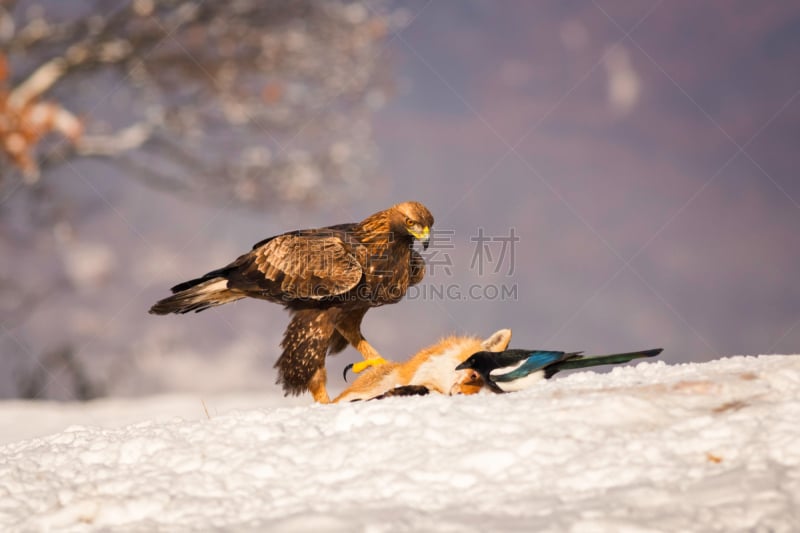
(328, 278)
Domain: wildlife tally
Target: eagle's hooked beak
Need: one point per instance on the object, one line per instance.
(423, 236)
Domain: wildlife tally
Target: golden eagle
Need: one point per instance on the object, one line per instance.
(327, 278)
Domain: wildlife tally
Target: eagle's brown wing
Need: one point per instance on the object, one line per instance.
(297, 266)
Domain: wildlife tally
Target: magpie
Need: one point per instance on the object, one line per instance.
(514, 370)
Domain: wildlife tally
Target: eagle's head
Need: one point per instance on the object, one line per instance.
(414, 219)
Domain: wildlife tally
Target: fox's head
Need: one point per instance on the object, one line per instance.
(469, 381)
(433, 368)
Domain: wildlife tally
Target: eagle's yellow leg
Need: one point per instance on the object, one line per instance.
(366, 363)
(350, 329)
(371, 356)
(366, 349)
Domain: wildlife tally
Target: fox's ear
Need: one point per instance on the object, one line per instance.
(498, 341)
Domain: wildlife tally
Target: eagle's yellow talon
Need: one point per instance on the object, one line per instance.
(366, 363)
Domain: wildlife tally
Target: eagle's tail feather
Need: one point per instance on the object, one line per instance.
(213, 275)
(196, 295)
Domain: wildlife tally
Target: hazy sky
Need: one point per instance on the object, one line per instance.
(649, 175)
(643, 154)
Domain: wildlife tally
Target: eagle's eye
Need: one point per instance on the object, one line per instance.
(409, 222)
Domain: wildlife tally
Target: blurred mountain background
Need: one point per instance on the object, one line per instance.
(605, 176)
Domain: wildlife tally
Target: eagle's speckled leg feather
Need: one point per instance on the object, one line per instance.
(305, 345)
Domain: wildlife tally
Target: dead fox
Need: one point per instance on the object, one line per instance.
(432, 369)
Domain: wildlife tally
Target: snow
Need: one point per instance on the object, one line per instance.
(651, 447)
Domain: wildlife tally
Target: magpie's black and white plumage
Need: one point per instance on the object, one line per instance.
(514, 370)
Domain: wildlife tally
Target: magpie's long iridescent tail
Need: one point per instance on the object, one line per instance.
(584, 361)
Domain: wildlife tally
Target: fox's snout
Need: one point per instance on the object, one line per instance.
(470, 382)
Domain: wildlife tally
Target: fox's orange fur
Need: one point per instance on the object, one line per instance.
(434, 368)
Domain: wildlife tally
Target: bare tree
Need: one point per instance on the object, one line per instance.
(251, 100)
(247, 102)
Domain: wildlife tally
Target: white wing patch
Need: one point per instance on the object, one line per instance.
(521, 383)
(506, 369)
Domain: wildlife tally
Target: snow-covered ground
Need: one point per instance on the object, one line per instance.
(697, 447)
